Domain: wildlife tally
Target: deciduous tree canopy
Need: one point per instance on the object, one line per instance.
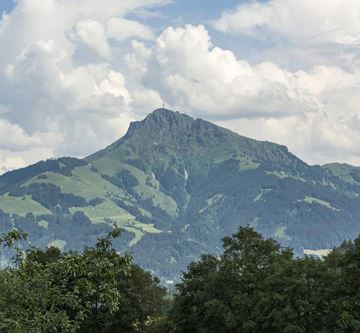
(97, 290)
(258, 286)
(255, 286)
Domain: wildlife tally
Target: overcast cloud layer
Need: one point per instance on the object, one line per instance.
(73, 74)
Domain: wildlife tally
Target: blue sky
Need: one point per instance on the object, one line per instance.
(192, 11)
(6, 5)
(204, 12)
(196, 11)
(73, 74)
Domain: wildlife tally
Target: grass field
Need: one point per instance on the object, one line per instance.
(145, 191)
(44, 224)
(137, 235)
(21, 205)
(83, 182)
(107, 209)
(343, 171)
(312, 200)
(139, 229)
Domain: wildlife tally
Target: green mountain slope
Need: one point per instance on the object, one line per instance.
(177, 185)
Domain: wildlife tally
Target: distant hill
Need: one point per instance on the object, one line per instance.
(177, 185)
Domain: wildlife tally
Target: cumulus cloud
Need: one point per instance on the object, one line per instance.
(301, 22)
(121, 29)
(10, 160)
(14, 138)
(61, 92)
(195, 75)
(320, 107)
(97, 36)
(92, 34)
(10, 163)
(70, 102)
(71, 85)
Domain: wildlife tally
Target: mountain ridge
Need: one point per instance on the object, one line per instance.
(176, 185)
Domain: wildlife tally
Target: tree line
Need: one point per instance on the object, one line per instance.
(255, 285)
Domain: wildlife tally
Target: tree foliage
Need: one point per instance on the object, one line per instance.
(97, 290)
(254, 286)
(258, 286)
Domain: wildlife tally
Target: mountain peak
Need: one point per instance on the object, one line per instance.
(162, 115)
(163, 124)
(163, 112)
(173, 132)
(180, 132)
(177, 185)
(162, 121)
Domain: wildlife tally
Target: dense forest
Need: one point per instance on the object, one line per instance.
(255, 285)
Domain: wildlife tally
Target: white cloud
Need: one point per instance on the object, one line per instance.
(61, 92)
(11, 163)
(65, 101)
(13, 137)
(17, 148)
(70, 85)
(121, 29)
(319, 108)
(10, 160)
(193, 74)
(97, 36)
(302, 22)
(92, 34)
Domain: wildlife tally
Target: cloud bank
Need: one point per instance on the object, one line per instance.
(301, 22)
(74, 73)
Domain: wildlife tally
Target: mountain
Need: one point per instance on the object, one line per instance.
(177, 185)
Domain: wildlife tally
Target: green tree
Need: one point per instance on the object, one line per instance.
(343, 312)
(97, 290)
(255, 286)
